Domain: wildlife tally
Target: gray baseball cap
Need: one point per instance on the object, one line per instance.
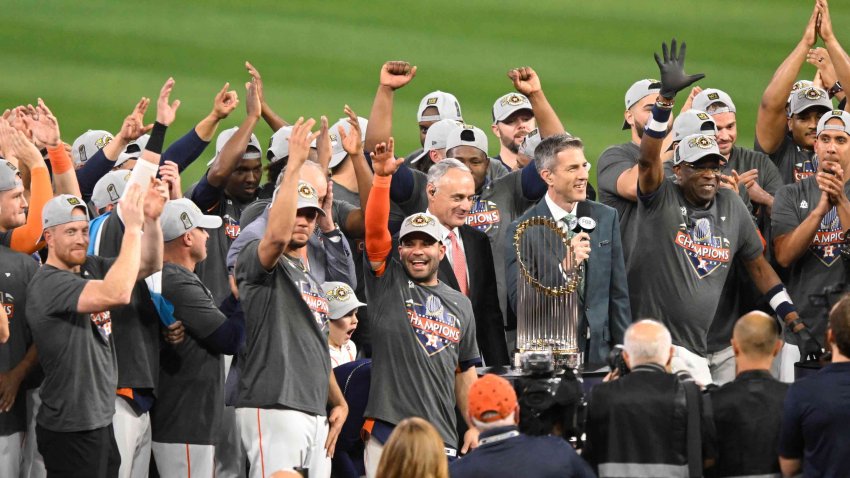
(279, 144)
(89, 143)
(421, 222)
(180, 216)
(799, 85)
(308, 198)
(467, 135)
(110, 188)
(696, 147)
(10, 177)
(840, 115)
(530, 143)
(638, 91)
(225, 136)
(710, 96)
(508, 105)
(133, 150)
(436, 136)
(692, 122)
(341, 299)
(63, 209)
(337, 150)
(446, 104)
(811, 97)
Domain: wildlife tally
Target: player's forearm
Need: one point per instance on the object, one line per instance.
(378, 238)
(152, 246)
(64, 176)
(230, 154)
(335, 396)
(380, 118)
(363, 174)
(650, 164)
(771, 116)
(463, 381)
(205, 129)
(271, 118)
(27, 363)
(789, 247)
(282, 214)
(547, 120)
(840, 61)
(25, 238)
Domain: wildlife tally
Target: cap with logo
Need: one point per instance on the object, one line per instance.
(423, 223)
(811, 97)
(508, 105)
(308, 198)
(696, 147)
(279, 144)
(337, 150)
(467, 135)
(63, 209)
(799, 85)
(491, 398)
(341, 299)
(89, 143)
(710, 96)
(133, 150)
(691, 122)
(638, 91)
(446, 104)
(530, 143)
(180, 216)
(252, 151)
(10, 177)
(436, 136)
(110, 188)
(840, 115)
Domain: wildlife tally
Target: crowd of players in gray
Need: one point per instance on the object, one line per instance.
(204, 327)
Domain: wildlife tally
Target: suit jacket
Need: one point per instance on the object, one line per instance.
(489, 324)
(606, 296)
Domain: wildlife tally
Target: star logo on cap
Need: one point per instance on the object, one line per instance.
(702, 142)
(306, 191)
(420, 220)
(340, 293)
(812, 94)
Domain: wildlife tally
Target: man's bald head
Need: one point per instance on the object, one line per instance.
(647, 341)
(756, 335)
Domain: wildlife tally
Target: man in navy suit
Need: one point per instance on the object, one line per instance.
(604, 297)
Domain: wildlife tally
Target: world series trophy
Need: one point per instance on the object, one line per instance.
(548, 294)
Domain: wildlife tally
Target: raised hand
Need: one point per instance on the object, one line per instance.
(155, 199)
(810, 33)
(824, 27)
(326, 222)
(134, 124)
(352, 142)
(324, 150)
(252, 102)
(132, 207)
(44, 126)
(672, 68)
(258, 80)
(525, 80)
(225, 102)
(170, 174)
(299, 141)
(820, 59)
(16, 145)
(384, 162)
(395, 74)
(165, 111)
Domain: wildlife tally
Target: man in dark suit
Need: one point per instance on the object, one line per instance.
(468, 265)
(604, 297)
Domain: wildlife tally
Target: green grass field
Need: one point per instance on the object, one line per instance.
(92, 60)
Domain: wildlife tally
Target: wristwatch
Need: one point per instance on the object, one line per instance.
(835, 89)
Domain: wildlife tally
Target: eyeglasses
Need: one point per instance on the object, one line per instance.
(714, 170)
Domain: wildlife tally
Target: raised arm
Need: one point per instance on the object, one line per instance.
(771, 119)
(673, 80)
(223, 104)
(355, 224)
(45, 133)
(116, 288)
(378, 238)
(527, 82)
(284, 208)
(233, 150)
(152, 241)
(271, 118)
(394, 75)
(837, 55)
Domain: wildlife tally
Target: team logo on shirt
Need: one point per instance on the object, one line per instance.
(805, 169)
(434, 326)
(8, 301)
(829, 239)
(484, 215)
(316, 302)
(704, 250)
(103, 322)
(231, 226)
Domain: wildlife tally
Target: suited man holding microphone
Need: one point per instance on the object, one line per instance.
(603, 291)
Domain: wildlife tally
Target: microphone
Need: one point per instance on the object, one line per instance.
(582, 224)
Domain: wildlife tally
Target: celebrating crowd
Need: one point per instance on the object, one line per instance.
(334, 319)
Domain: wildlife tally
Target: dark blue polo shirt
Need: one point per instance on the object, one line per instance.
(814, 424)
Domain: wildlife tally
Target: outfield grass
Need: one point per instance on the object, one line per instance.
(92, 60)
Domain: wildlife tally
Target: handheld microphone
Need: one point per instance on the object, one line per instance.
(583, 224)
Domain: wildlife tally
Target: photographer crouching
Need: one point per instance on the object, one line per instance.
(649, 422)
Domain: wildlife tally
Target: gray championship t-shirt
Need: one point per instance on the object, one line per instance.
(793, 162)
(493, 210)
(16, 271)
(682, 259)
(823, 263)
(420, 335)
(285, 362)
(191, 377)
(75, 350)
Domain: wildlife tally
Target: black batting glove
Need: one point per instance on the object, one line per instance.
(673, 76)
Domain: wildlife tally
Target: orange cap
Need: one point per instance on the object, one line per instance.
(491, 398)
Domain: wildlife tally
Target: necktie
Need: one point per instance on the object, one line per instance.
(459, 264)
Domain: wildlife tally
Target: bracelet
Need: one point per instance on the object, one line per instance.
(835, 89)
(656, 127)
(664, 106)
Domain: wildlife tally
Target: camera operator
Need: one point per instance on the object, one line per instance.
(815, 438)
(502, 450)
(748, 410)
(648, 422)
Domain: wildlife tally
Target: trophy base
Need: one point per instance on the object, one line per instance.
(536, 361)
